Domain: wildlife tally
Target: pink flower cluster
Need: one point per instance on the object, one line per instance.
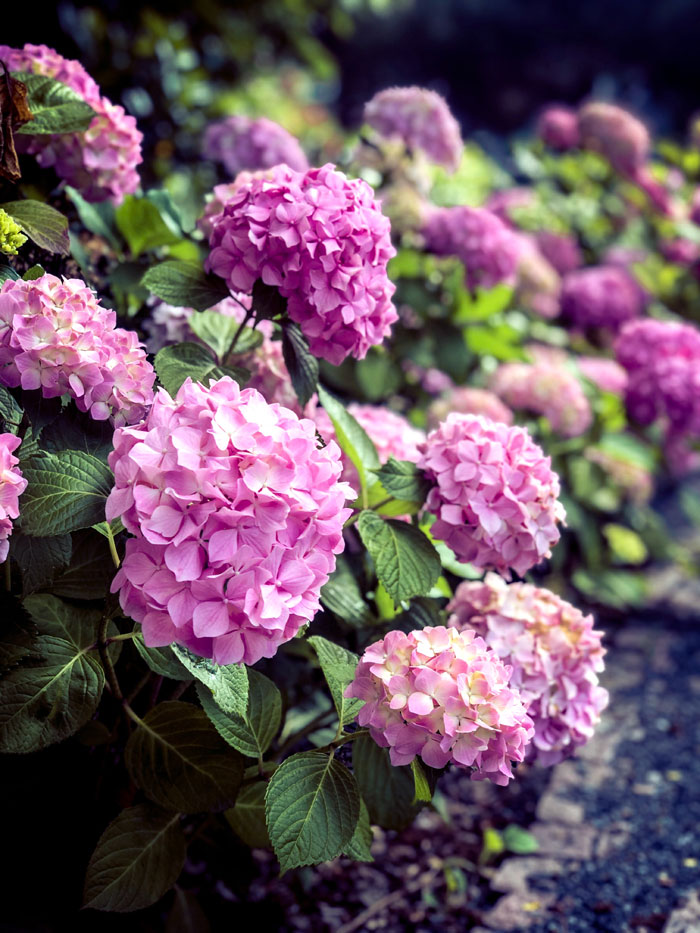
(557, 127)
(12, 485)
(100, 162)
(390, 432)
(555, 655)
(489, 249)
(494, 495)
(469, 401)
(538, 284)
(444, 695)
(322, 240)
(421, 119)
(616, 134)
(245, 143)
(55, 336)
(563, 252)
(238, 517)
(545, 388)
(601, 296)
(608, 375)
(662, 359)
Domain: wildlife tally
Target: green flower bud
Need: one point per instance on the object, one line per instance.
(11, 236)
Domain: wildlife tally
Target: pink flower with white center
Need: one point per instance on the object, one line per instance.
(553, 650)
(445, 696)
(238, 516)
(489, 249)
(469, 401)
(322, 241)
(545, 388)
(100, 162)
(557, 127)
(12, 485)
(601, 296)
(494, 495)
(421, 119)
(240, 143)
(607, 375)
(56, 337)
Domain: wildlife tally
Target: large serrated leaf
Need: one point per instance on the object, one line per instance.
(227, 682)
(247, 818)
(66, 491)
(39, 559)
(352, 439)
(252, 732)
(312, 806)
(10, 412)
(406, 562)
(55, 107)
(90, 571)
(218, 330)
(359, 846)
(180, 762)
(97, 218)
(403, 480)
(161, 660)
(185, 285)
(140, 223)
(190, 360)
(43, 224)
(301, 364)
(338, 666)
(387, 791)
(343, 596)
(137, 859)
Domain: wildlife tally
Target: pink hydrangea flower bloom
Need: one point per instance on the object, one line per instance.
(662, 359)
(681, 251)
(489, 249)
(608, 375)
(557, 127)
(421, 119)
(321, 239)
(505, 201)
(494, 495)
(238, 516)
(445, 696)
(555, 655)
(538, 284)
(616, 134)
(12, 485)
(545, 388)
(469, 401)
(245, 143)
(100, 162)
(561, 251)
(601, 296)
(55, 336)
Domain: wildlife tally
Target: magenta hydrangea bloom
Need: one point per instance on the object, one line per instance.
(12, 485)
(55, 336)
(538, 283)
(557, 127)
(245, 143)
(445, 696)
(608, 375)
(494, 494)
(421, 119)
(561, 251)
(238, 517)
(601, 296)
(662, 359)
(681, 251)
(321, 239)
(489, 249)
(616, 134)
(469, 401)
(555, 655)
(545, 388)
(101, 162)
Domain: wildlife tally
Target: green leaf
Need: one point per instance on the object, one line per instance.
(137, 859)
(353, 439)
(267, 301)
(247, 818)
(300, 361)
(40, 558)
(228, 683)
(8, 273)
(76, 430)
(97, 218)
(492, 845)
(47, 698)
(403, 480)
(359, 846)
(494, 341)
(185, 285)
(406, 562)
(252, 733)
(35, 272)
(387, 791)
(43, 224)
(312, 806)
(519, 840)
(216, 330)
(421, 791)
(180, 762)
(338, 666)
(90, 571)
(139, 222)
(343, 596)
(55, 107)
(67, 491)
(423, 611)
(10, 412)
(161, 660)
(176, 363)
(627, 546)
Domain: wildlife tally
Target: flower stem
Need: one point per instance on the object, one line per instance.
(113, 548)
(107, 661)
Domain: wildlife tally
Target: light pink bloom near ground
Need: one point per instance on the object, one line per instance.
(12, 485)
(238, 516)
(494, 495)
(421, 119)
(55, 336)
(557, 127)
(101, 162)
(468, 401)
(321, 239)
(554, 651)
(443, 695)
(241, 142)
(601, 296)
